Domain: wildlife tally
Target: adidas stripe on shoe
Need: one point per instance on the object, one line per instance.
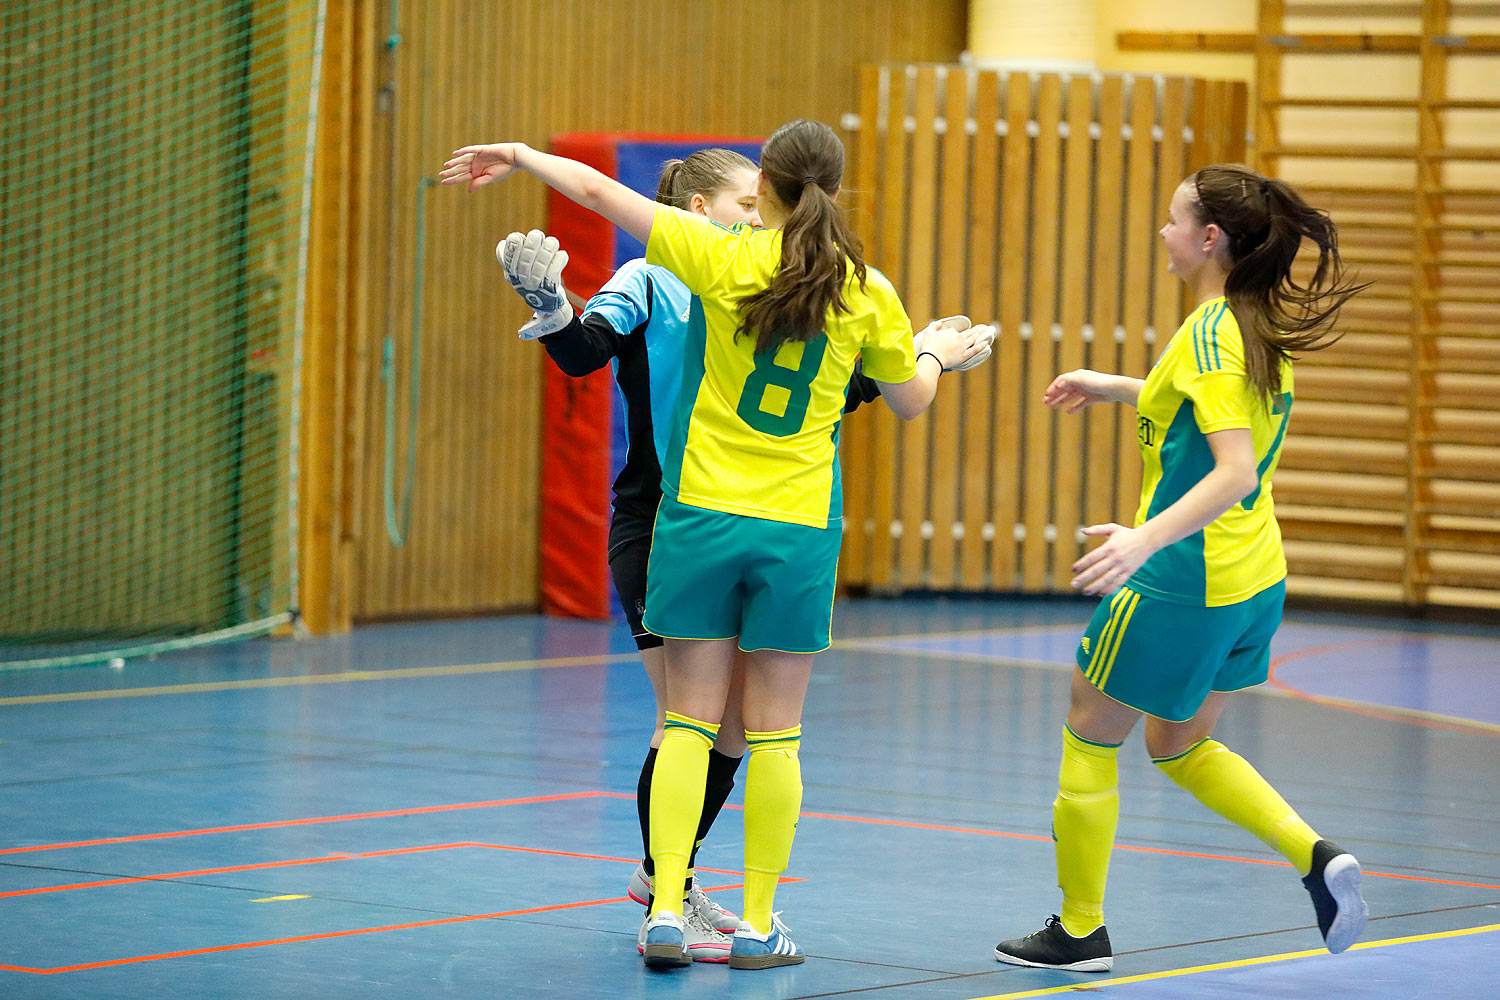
(753, 950)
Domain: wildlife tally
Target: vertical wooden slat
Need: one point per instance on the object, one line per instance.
(1426, 304)
(1239, 105)
(1269, 22)
(1200, 149)
(1040, 360)
(1140, 259)
(979, 438)
(859, 471)
(922, 230)
(890, 258)
(1068, 481)
(357, 359)
(947, 410)
(327, 322)
(1167, 312)
(1107, 230)
(1009, 352)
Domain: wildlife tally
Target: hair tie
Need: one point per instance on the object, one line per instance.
(1265, 185)
(809, 179)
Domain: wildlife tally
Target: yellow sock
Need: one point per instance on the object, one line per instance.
(773, 799)
(1084, 815)
(676, 804)
(1225, 782)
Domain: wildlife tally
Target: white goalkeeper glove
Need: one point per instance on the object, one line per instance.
(533, 265)
(983, 335)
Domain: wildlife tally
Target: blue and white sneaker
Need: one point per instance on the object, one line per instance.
(752, 950)
(701, 942)
(661, 941)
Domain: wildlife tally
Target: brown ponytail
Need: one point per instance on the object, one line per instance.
(804, 164)
(1264, 223)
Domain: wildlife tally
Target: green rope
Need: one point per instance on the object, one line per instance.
(398, 524)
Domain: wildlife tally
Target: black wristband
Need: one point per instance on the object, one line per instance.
(934, 357)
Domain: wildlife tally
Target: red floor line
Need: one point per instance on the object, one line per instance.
(1385, 714)
(310, 821)
(329, 935)
(242, 945)
(594, 857)
(291, 863)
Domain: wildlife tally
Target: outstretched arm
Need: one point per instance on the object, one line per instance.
(481, 165)
(1072, 391)
(945, 347)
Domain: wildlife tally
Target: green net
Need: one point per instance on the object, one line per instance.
(154, 158)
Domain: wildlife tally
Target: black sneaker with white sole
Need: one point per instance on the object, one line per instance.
(1333, 884)
(1053, 947)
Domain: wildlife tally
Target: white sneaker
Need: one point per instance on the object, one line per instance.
(716, 916)
(700, 942)
(710, 912)
(640, 886)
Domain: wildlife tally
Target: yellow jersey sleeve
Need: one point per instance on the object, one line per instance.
(1221, 401)
(887, 353)
(1212, 373)
(689, 246)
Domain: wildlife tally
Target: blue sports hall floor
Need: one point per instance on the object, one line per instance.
(447, 809)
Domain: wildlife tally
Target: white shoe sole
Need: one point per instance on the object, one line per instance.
(1342, 879)
(698, 953)
(1087, 965)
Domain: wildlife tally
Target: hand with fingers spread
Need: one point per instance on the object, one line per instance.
(1107, 568)
(481, 165)
(1074, 390)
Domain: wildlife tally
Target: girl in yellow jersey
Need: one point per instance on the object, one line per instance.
(1197, 584)
(747, 535)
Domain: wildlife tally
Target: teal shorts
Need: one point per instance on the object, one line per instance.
(1164, 659)
(714, 575)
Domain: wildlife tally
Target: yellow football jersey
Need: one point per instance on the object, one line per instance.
(757, 434)
(1197, 387)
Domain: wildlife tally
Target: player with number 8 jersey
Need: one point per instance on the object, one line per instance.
(756, 433)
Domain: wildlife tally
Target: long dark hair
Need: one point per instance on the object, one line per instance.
(705, 172)
(1265, 221)
(804, 164)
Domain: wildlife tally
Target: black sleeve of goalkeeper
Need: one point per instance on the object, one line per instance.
(583, 346)
(862, 389)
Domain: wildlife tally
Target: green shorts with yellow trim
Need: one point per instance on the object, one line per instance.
(714, 575)
(1164, 659)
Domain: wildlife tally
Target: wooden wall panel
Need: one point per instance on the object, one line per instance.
(1063, 200)
(464, 71)
(1387, 116)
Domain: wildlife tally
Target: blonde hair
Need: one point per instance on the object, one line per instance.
(706, 172)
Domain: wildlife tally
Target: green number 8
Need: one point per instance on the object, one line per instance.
(796, 381)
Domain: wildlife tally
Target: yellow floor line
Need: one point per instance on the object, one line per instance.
(1096, 984)
(344, 677)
